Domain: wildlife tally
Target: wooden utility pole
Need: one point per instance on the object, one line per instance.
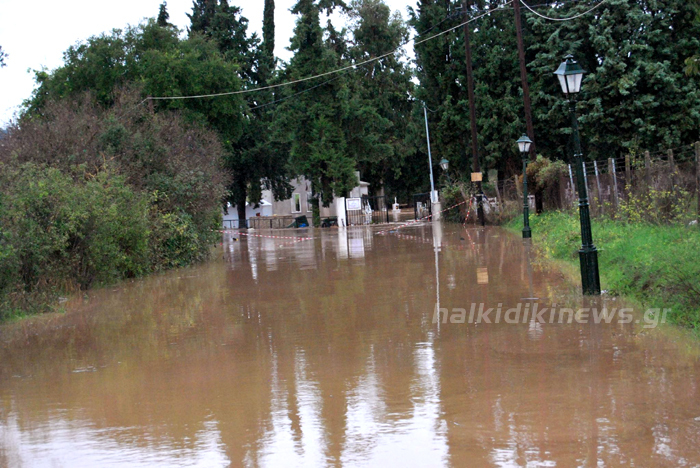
(523, 77)
(476, 166)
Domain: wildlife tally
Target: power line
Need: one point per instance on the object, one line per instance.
(294, 95)
(562, 19)
(333, 72)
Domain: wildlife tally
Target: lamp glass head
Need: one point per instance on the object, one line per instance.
(570, 75)
(444, 164)
(524, 144)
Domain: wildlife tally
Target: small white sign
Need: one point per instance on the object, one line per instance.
(353, 204)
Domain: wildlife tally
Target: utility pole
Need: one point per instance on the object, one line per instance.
(435, 205)
(476, 167)
(523, 78)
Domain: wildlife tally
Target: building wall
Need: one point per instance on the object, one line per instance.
(288, 207)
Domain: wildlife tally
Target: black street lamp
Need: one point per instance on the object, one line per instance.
(445, 164)
(524, 145)
(570, 76)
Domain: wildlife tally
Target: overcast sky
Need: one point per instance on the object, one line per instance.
(36, 33)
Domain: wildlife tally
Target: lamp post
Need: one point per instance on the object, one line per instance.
(433, 193)
(570, 76)
(444, 164)
(524, 145)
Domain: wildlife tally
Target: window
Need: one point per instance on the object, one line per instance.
(309, 204)
(296, 203)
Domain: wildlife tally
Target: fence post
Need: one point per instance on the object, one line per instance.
(628, 172)
(600, 192)
(613, 171)
(672, 165)
(571, 179)
(647, 168)
(697, 173)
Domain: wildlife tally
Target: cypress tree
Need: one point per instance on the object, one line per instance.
(202, 16)
(163, 15)
(379, 99)
(313, 122)
(269, 28)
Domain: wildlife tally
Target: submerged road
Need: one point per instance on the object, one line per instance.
(354, 348)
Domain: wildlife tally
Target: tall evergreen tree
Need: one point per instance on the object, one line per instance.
(163, 15)
(252, 159)
(202, 16)
(3, 56)
(269, 28)
(267, 59)
(313, 122)
(636, 95)
(380, 104)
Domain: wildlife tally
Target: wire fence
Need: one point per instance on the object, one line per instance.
(657, 187)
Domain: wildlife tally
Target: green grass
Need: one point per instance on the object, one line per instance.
(658, 266)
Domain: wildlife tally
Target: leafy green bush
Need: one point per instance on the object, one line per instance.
(58, 236)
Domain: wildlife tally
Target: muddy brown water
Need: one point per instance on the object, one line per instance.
(325, 353)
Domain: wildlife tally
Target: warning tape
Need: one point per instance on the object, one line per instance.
(469, 212)
(421, 219)
(297, 239)
(302, 239)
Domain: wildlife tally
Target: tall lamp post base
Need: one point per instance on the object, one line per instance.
(590, 276)
(527, 233)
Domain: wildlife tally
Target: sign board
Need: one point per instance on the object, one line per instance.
(477, 176)
(353, 204)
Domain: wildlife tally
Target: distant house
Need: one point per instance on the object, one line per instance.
(299, 204)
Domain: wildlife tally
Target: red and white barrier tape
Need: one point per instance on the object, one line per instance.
(296, 239)
(421, 219)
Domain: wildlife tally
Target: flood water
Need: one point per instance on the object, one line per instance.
(325, 353)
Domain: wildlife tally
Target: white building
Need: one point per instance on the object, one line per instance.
(298, 205)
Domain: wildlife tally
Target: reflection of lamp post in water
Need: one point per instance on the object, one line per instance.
(437, 245)
(535, 330)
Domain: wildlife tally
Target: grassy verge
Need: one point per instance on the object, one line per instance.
(656, 265)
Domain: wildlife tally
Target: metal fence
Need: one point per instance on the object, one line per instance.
(231, 224)
(270, 222)
(374, 211)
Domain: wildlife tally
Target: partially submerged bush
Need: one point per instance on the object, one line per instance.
(89, 196)
(58, 235)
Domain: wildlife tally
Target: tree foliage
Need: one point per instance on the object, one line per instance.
(635, 97)
(311, 124)
(163, 15)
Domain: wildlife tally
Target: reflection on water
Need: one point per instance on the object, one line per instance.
(324, 353)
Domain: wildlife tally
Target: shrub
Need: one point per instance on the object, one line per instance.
(58, 235)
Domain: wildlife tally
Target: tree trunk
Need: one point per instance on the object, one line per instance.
(240, 206)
